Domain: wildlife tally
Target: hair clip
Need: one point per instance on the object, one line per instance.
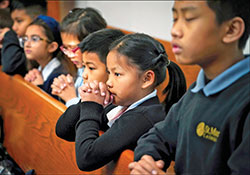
(162, 52)
(168, 63)
(156, 60)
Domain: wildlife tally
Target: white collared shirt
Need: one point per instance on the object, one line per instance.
(111, 114)
(79, 80)
(48, 69)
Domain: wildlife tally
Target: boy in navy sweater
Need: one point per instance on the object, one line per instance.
(207, 131)
(23, 12)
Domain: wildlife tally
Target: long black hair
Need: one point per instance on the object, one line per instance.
(149, 54)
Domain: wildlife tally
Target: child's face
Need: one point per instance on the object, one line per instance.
(196, 37)
(21, 21)
(36, 48)
(94, 69)
(124, 80)
(70, 42)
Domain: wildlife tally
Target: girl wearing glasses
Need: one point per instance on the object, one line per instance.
(74, 28)
(41, 43)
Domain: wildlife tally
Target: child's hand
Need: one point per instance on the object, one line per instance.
(147, 165)
(34, 76)
(30, 76)
(58, 84)
(95, 91)
(105, 93)
(2, 33)
(63, 86)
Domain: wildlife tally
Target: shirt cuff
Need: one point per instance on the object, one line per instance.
(72, 101)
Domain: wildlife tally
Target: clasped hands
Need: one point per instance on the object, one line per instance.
(95, 91)
(34, 76)
(147, 165)
(64, 87)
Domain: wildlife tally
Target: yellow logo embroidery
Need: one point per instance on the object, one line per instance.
(207, 132)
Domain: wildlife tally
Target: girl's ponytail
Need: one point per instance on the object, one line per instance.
(176, 86)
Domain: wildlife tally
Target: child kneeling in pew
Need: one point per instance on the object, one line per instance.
(41, 43)
(136, 64)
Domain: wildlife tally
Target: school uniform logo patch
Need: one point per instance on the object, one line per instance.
(207, 132)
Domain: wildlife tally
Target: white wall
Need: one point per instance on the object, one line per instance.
(150, 17)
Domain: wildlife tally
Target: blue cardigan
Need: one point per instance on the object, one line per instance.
(46, 86)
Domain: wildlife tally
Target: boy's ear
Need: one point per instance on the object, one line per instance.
(148, 79)
(234, 30)
(52, 47)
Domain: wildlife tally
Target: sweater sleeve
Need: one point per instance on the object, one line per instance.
(65, 126)
(13, 57)
(46, 86)
(160, 141)
(94, 151)
(239, 160)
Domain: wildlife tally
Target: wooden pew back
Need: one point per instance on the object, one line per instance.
(30, 116)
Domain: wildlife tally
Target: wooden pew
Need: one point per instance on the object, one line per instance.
(29, 117)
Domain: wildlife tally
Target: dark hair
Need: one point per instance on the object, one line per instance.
(228, 9)
(33, 8)
(99, 42)
(52, 33)
(148, 54)
(51, 30)
(82, 21)
(5, 19)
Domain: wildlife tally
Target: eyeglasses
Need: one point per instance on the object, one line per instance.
(69, 52)
(32, 39)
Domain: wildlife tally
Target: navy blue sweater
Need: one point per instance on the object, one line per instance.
(82, 122)
(204, 135)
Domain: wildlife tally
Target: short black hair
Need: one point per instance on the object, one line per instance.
(5, 19)
(82, 21)
(228, 9)
(33, 8)
(100, 41)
